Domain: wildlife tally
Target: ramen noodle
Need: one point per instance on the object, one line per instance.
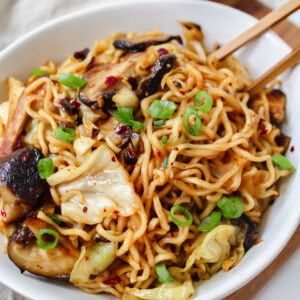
(139, 166)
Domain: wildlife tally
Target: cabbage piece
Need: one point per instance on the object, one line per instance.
(106, 186)
(4, 107)
(214, 247)
(180, 289)
(83, 144)
(92, 261)
(167, 291)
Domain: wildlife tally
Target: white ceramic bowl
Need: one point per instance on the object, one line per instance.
(220, 24)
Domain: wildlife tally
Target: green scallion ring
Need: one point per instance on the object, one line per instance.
(45, 167)
(210, 221)
(195, 130)
(65, 134)
(203, 101)
(44, 245)
(37, 73)
(183, 210)
(232, 207)
(162, 109)
(54, 219)
(163, 273)
(164, 139)
(71, 81)
(165, 163)
(159, 122)
(282, 162)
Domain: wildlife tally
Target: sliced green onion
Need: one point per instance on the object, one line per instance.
(195, 130)
(45, 167)
(203, 101)
(65, 134)
(232, 207)
(159, 122)
(137, 125)
(45, 245)
(183, 210)
(210, 221)
(162, 109)
(164, 139)
(282, 162)
(55, 220)
(165, 163)
(124, 115)
(71, 80)
(37, 73)
(163, 274)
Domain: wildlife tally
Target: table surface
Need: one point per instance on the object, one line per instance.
(270, 284)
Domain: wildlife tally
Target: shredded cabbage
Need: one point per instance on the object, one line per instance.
(92, 261)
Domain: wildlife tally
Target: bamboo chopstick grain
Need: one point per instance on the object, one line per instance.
(265, 23)
(287, 62)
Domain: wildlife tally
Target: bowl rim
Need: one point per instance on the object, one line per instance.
(277, 244)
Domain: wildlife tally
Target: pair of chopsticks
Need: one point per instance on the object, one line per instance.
(265, 23)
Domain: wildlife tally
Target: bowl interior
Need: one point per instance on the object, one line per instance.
(220, 24)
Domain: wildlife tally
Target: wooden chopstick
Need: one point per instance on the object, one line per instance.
(265, 23)
(288, 61)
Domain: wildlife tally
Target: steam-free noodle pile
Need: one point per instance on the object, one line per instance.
(139, 196)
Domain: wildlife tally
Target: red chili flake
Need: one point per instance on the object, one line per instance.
(25, 158)
(75, 103)
(18, 144)
(3, 213)
(111, 80)
(113, 159)
(263, 132)
(112, 281)
(85, 209)
(136, 190)
(159, 154)
(104, 210)
(176, 149)
(292, 148)
(172, 233)
(261, 119)
(115, 212)
(162, 51)
(172, 163)
(182, 92)
(95, 132)
(121, 129)
(86, 258)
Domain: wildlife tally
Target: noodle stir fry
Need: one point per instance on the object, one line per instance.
(138, 166)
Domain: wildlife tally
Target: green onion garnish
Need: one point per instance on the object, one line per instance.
(162, 109)
(198, 122)
(210, 221)
(162, 273)
(47, 245)
(282, 162)
(183, 210)
(37, 73)
(54, 219)
(71, 80)
(124, 115)
(65, 134)
(165, 163)
(203, 101)
(232, 207)
(45, 167)
(164, 139)
(159, 122)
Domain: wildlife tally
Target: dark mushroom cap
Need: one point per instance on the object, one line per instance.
(162, 66)
(19, 174)
(139, 44)
(24, 252)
